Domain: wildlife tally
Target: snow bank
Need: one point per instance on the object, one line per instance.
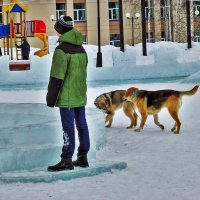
(194, 78)
(165, 59)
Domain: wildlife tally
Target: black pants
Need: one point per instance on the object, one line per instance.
(25, 57)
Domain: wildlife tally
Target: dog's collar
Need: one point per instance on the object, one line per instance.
(135, 94)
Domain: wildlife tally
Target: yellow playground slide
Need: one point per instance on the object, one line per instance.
(44, 38)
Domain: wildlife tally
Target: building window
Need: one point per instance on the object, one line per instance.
(60, 10)
(115, 40)
(79, 12)
(1, 15)
(197, 36)
(84, 39)
(196, 7)
(151, 40)
(113, 11)
(164, 10)
(147, 10)
(163, 37)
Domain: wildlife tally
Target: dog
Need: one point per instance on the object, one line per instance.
(151, 103)
(112, 101)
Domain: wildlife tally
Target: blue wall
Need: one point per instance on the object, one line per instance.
(4, 30)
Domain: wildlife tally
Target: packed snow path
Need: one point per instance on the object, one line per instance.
(161, 165)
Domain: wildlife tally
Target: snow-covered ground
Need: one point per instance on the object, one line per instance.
(161, 165)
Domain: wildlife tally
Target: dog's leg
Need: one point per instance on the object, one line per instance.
(109, 124)
(135, 117)
(174, 127)
(174, 115)
(157, 122)
(109, 118)
(143, 121)
(128, 110)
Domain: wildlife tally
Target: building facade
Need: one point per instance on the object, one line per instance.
(165, 19)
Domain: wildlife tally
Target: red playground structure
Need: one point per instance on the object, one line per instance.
(13, 32)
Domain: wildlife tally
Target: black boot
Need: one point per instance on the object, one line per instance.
(62, 165)
(81, 161)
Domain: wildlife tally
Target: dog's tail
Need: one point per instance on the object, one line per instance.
(190, 92)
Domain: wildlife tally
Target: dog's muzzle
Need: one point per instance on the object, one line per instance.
(102, 109)
(96, 104)
(124, 99)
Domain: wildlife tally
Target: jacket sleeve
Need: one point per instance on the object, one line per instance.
(18, 46)
(57, 76)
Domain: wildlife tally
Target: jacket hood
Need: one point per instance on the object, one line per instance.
(73, 37)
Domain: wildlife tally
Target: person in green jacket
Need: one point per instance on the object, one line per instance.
(67, 90)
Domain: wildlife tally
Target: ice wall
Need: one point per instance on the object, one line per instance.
(194, 78)
(31, 136)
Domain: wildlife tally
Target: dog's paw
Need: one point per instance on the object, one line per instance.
(108, 126)
(137, 130)
(129, 127)
(162, 127)
(176, 132)
(173, 129)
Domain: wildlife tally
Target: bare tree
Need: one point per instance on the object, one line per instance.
(179, 23)
(149, 20)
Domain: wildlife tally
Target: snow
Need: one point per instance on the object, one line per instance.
(160, 165)
(164, 60)
(194, 78)
(20, 61)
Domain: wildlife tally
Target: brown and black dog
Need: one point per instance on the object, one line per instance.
(112, 101)
(151, 103)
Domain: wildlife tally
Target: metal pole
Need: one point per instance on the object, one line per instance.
(99, 54)
(144, 42)
(121, 26)
(133, 31)
(189, 39)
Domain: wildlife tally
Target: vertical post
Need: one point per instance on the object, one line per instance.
(121, 24)
(133, 43)
(11, 34)
(7, 38)
(189, 40)
(172, 18)
(170, 22)
(144, 42)
(21, 28)
(99, 54)
(24, 24)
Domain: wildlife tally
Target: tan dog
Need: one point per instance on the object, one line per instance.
(112, 101)
(151, 103)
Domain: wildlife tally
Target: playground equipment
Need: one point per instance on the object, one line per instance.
(13, 32)
(43, 51)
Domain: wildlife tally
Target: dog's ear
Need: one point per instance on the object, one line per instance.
(108, 101)
(129, 92)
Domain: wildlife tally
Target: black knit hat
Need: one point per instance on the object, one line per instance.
(64, 24)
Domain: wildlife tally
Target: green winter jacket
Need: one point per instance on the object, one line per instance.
(67, 86)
